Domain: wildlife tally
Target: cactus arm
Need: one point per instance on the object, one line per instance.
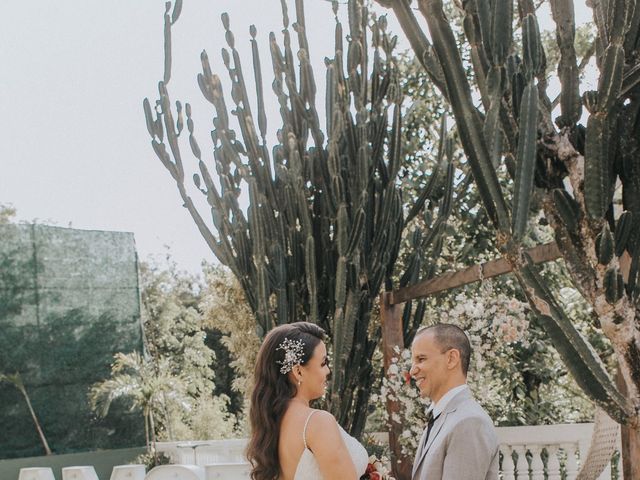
(311, 274)
(526, 160)
(491, 128)
(501, 30)
(343, 342)
(172, 135)
(167, 46)
(570, 104)
(483, 10)
(632, 36)
(418, 41)
(479, 59)
(585, 366)
(468, 122)
(425, 194)
(307, 80)
(257, 71)
(619, 17)
(428, 189)
(598, 175)
(611, 78)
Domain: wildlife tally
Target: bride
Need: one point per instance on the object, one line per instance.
(290, 440)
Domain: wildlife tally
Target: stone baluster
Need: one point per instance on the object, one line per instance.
(522, 466)
(583, 448)
(619, 462)
(572, 464)
(553, 463)
(537, 466)
(508, 466)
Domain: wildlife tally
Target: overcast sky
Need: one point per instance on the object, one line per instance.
(74, 150)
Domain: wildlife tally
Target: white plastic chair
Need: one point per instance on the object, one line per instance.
(228, 471)
(128, 472)
(79, 473)
(176, 472)
(36, 473)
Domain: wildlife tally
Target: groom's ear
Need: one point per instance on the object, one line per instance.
(453, 357)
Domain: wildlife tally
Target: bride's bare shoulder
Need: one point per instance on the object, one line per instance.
(315, 420)
(322, 424)
(321, 416)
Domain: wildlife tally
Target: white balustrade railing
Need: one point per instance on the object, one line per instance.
(205, 452)
(548, 452)
(551, 452)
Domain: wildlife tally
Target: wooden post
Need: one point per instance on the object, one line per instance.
(392, 337)
(630, 438)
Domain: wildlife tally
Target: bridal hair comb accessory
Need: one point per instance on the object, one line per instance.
(293, 353)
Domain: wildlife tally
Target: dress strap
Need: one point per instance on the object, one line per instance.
(304, 432)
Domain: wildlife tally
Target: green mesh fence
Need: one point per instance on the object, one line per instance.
(69, 300)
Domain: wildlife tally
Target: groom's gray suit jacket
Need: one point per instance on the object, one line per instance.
(462, 444)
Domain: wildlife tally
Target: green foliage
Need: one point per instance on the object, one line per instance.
(138, 383)
(152, 459)
(172, 384)
(175, 304)
(227, 311)
(173, 325)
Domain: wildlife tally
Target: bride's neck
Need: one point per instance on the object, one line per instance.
(299, 400)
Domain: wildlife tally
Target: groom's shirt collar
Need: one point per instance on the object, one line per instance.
(439, 407)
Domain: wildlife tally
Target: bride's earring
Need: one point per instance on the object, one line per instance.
(299, 382)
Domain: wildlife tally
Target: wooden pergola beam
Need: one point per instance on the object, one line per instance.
(448, 280)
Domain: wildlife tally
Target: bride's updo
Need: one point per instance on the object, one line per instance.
(283, 347)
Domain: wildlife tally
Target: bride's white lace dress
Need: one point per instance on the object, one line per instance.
(308, 466)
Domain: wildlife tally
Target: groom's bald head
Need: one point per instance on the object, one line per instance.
(449, 336)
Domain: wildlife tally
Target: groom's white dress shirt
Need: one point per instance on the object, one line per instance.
(462, 444)
(440, 405)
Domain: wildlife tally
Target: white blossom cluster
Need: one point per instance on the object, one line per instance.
(412, 408)
(494, 321)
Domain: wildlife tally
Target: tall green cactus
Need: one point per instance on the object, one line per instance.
(573, 168)
(324, 224)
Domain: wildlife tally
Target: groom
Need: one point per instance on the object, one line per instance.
(459, 441)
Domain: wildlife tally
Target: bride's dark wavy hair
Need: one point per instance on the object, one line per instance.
(271, 394)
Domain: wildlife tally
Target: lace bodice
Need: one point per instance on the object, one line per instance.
(308, 468)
